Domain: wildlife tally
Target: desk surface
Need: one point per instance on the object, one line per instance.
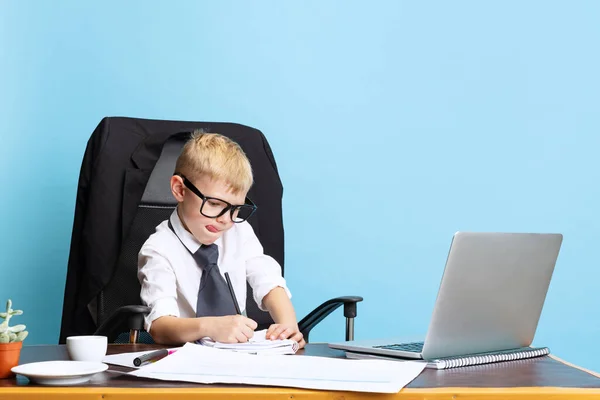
(533, 378)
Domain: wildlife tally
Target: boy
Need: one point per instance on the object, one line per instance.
(181, 265)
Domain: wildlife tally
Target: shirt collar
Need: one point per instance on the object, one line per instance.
(188, 240)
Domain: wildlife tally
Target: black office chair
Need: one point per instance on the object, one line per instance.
(116, 309)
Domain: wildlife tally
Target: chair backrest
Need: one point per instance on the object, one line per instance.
(157, 203)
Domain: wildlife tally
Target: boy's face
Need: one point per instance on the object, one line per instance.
(206, 230)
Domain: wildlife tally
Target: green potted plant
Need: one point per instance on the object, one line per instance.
(11, 341)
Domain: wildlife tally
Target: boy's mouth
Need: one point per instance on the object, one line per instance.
(212, 229)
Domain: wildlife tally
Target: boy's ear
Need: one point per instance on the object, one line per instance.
(177, 187)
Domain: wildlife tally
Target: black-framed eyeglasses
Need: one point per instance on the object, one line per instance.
(213, 207)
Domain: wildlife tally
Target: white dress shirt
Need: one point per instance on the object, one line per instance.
(170, 277)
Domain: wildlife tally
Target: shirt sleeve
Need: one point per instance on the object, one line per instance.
(159, 285)
(262, 271)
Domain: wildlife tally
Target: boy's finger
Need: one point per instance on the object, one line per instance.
(274, 334)
(287, 332)
(241, 337)
(247, 332)
(270, 330)
(277, 332)
(250, 323)
(298, 337)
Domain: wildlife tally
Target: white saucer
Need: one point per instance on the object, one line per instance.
(60, 372)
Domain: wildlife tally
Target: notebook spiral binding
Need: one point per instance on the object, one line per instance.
(463, 361)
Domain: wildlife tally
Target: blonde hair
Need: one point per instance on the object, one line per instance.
(217, 157)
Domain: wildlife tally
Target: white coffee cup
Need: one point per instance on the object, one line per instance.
(87, 348)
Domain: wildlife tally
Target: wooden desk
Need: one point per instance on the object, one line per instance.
(538, 378)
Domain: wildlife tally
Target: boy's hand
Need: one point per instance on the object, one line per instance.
(232, 329)
(285, 331)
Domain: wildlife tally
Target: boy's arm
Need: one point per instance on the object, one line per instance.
(171, 330)
(269, 288)
(280, 307)
(282, 311)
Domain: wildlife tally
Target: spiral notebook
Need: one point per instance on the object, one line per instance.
(258, 344)
(467, 360)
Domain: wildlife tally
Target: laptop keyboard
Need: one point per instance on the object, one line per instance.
(413, 347)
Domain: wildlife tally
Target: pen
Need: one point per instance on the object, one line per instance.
(237, 307)
(152, 357)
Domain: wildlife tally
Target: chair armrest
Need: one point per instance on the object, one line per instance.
(132, 315)
(318, 314)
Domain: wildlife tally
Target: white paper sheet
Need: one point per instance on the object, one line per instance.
(201, 364)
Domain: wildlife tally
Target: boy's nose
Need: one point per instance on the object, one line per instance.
(224, 219)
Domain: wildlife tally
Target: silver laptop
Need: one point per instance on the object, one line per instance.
(490, 298)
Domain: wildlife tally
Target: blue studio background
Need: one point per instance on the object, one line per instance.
(394, 124)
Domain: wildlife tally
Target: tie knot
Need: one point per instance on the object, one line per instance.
(207, 256)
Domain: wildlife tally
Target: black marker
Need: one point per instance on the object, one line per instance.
(151, 357)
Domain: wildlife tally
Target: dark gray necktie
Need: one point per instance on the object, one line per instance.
(214, 298)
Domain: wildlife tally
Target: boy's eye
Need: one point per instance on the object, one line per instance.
(213, 203)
